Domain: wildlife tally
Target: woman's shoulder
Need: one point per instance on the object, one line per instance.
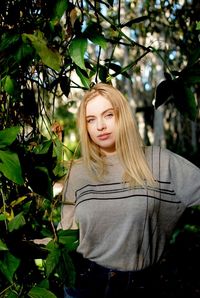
(155, 151)
(165, 156)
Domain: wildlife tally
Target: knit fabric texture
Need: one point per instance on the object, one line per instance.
(127, 228)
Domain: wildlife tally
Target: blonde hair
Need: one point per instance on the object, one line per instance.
(129, 145)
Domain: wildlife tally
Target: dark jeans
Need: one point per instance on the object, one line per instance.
(95, 281)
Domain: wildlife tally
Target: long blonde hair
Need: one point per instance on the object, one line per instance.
(129, 145)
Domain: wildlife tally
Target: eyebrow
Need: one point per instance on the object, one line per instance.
(110, 109)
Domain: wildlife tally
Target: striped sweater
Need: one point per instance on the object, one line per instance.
(127, 228)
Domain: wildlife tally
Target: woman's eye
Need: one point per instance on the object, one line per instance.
(109, 115)
(90, 120)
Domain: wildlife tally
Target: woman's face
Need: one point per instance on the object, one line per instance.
(101, 123)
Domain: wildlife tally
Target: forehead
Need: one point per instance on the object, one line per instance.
(98, 104)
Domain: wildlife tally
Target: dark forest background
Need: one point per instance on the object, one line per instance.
(51, 51)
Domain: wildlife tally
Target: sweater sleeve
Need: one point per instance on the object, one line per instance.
(68, 205)
(186, 179)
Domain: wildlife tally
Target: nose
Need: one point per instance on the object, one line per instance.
(101, 125)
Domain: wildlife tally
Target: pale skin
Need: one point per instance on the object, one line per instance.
(101, 123)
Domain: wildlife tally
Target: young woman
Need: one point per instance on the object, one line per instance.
(124, 198)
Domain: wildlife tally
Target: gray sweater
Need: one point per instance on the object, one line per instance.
(127, 228)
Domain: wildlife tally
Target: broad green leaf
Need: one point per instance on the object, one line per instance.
(93, 32)
(49, 57)
(60, 170)
(8, 40)
(60, 7)
(69, 238)
(83, 77)
(38, 292)
(3, 245)
(43, 148)
(8, 135)
(24, 52)
(77, 51)
(52, 260)
(11, 294)
(10, 166)
(2, 217)
(99, 40)
(17, 222)
(58, 149)
(69, 268)
(197, 25)
(8, 265)
(9, 85)
(44, 284)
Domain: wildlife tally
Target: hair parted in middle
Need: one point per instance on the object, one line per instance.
(129, 144)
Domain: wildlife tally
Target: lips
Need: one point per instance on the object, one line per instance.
(104, 136)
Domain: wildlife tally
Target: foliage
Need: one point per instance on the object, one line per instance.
(48, 50)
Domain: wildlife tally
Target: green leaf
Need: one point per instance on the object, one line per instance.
(69, 238)
(69, 268)
(52, 260)
(10, 166)
(44, 284)
(59, 9)
(77, 51)
(3, 245)
(43, 148)
(9, 265)
(11, 294)
(49, 57)
(8, 40)
(197, 25)
(58, 149)
(99, 40)
(9, 85)
(17, 222)
(93, 32)
(83, 77)
(2, 217)
(24, 53)
(38, 292)
(8, 135)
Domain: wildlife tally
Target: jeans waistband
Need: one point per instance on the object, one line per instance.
(96, 268)
(83, 263)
